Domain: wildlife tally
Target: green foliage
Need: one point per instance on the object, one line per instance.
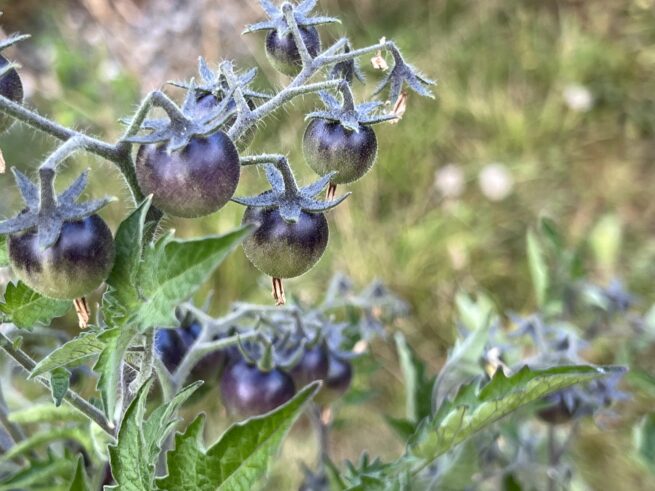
(4, 253)
(59, 380)
(172, 270)
(79, 481)
(477, 315)
(48, 436)
(122, 296)
(38, 474)
(140, 438)
(46, 413)
(239, 458)
(70, 353)
(538, 268)
(26, 309)
(474, 407)
(110, 363)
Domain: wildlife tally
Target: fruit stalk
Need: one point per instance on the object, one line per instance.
(305, 57)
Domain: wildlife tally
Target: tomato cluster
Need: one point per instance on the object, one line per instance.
(249, 390)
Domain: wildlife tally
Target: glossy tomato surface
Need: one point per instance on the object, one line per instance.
(281, 249)
(74, 266)
(194, 181)
(329, 147)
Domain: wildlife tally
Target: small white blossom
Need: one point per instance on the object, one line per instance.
(449, 180)
(496, 181)
(578, 98)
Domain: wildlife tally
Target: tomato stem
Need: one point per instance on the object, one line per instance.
(278, 292)
(72, 397)
(305, 56)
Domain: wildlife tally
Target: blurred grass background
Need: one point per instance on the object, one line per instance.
(543, 108)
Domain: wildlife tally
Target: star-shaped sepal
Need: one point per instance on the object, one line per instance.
(401, 74)
(215, 82)
(276, 18)
(348, 70)
(350, 115)
(285, 194)
(12, 39)
(183, 123)
(45, 215)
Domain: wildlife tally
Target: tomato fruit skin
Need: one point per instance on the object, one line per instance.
(74, 266)
(313, 365)
(282, 51)
(285, 250)
(11, 87)
(194, 181)
(330, 147)
(337, 382)
(247, 391)
(172, 345)
(555, 410)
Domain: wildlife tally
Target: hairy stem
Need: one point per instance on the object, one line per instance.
(71, 397)
(305, 57)
(21, 113)
(290, 184)
(323, 60)
(200, 349)
(260, 159)
(347, 93)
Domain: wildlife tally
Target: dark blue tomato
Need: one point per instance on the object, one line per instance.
(283, 53)
(313, 365)
(340, 375)
(248, 391)
(558, 407)
(74, 266)
(330, 147)
(281, 249)
(11, 87)
(194, 181)
(173, 344)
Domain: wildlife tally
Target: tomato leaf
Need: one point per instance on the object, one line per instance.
(27, 309)
(73, 352)
(79, 482)
(172, 270)
(122, 295)
(46, 413)
(110, 364)
(538, 268)
(45, 437)
(240, 457)
(59, 381)
(140, 438)
(474, 408)
(4, 253)
(418, 385)
(37, 474)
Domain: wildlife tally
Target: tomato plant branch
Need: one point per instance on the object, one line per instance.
(270, 158)
(201, 348)
(72, 397)
(118, 153)
(289, 17)
(324, 59)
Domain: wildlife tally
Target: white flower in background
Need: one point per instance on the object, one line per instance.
(450, 181)
(496, 181)
(578, 98)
